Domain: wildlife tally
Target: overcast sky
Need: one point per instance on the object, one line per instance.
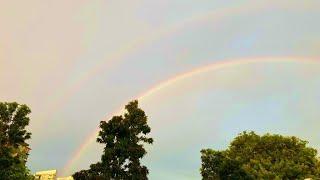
(211, 69)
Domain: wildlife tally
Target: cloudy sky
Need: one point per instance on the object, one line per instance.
(203, 71)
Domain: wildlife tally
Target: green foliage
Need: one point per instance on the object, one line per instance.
(13, 148)
(217, 165)
(251, 156)
(124, 138)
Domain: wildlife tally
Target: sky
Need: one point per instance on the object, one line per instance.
(203, 71)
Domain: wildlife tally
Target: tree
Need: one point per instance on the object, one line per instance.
(13, 135)
(124, 138)
(251, 156)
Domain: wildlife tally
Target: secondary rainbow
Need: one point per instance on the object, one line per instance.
(121, 54)
(118, 56)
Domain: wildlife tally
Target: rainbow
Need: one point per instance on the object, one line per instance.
(118, 56)
(121, 54)
(162, 85)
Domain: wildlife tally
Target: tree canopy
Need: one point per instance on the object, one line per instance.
(13, 135)
(251, 156)
(124, 138)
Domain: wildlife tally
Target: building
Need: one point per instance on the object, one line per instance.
(50, 175)
(65, 178)
(46, 175)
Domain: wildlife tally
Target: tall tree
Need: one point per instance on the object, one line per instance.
(124, 138)
(251, 156)
(13, 135)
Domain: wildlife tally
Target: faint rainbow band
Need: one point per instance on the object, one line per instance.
(119, 56)
(142, 42)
